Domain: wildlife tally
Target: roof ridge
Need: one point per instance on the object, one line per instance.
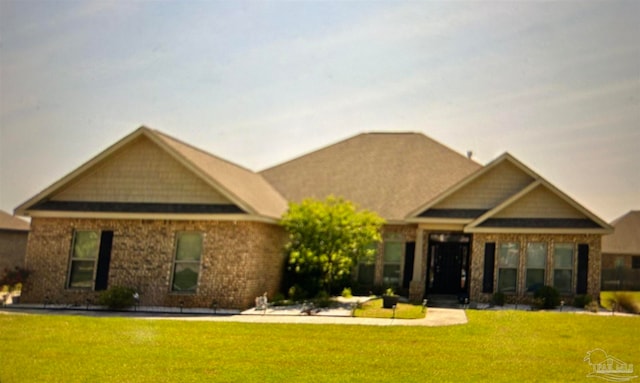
(359, 135)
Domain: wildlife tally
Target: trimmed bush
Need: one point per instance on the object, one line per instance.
(322, 300)
(117, 298)
(550, 297)
(498, 299)
(581, 301)
(346, 292)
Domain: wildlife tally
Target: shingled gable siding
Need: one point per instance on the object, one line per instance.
(594, 260)
(240, 261)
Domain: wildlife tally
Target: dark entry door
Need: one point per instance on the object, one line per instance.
(448, 269)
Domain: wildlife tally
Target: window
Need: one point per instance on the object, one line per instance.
(187, 264)
(367, 267)
(392, 263)
(508, 260)
(536, 261)
(85, 249)
(563, 267)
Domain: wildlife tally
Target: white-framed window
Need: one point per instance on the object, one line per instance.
(536, 265)
(508, 260)
(563, 267)
(186, 268)
(392, 267)
(85, 249)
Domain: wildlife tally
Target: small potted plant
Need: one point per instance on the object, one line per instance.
(389, 299)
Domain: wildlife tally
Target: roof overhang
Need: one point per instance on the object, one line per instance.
(152, 216)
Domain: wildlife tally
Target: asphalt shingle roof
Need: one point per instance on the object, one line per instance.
(389, 173)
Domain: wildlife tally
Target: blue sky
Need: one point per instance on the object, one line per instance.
(557, 84)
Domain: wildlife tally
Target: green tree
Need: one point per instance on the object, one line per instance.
(327, 239)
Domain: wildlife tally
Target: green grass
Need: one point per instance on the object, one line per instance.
(373, 309)
(497, 346)
(606, 297)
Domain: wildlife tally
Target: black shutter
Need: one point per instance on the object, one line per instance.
(583, 268)
(104, 258)
(489, 259)
(409, 256)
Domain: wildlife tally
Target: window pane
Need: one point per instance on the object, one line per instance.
(563, 256)
(536, 255)
(86, 244)
(535, 279)
(81, 274)
(509, 255)
(391, 275)
(562, 280)
(189, 247)
(507, 280)
(393, 252)
(185, 277)
(366, 273)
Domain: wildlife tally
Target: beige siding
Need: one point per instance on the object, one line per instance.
(489, 190)
(540, 203)
(141, 172)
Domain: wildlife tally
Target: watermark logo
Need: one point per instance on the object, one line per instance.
(608, 367)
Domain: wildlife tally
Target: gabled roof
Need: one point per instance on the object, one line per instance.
(389, 173)
(626, 238)
(9, 222)
(514, 205)
(244, 188)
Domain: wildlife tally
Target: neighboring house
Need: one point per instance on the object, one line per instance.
(13, 241)
(621, 254)
(184, 227)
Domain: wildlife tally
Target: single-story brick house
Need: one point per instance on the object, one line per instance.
(621, 254)
(185, 227)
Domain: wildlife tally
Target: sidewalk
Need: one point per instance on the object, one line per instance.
(339, 316)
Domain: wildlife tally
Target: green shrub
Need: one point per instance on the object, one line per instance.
(322, 300)
(498, 299)
(537, 304)
(117, 297)
(346, 292)
(581, 301)
(624, 302)
(297, 293)
(549, 295)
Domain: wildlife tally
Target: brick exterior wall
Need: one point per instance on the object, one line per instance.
(240, 261)
(477, 260)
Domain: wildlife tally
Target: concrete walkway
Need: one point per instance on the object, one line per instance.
(434, 317)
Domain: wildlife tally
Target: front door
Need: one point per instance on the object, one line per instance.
(448, 265)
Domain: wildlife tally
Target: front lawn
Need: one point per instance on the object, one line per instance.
(494, 346)
(373, 309)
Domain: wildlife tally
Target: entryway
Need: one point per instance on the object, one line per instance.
(448, 264)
